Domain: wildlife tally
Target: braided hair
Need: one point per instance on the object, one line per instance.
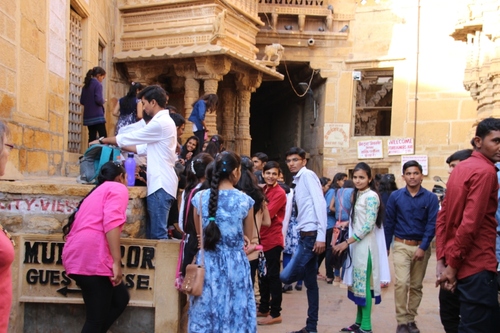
(223, 167)
(109, 171)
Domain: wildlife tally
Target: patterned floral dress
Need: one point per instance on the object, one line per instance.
(292, 234)
(365, 216)
(227, 303)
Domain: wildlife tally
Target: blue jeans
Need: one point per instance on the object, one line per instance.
(159, 204)
(304, 266)
(286, 259)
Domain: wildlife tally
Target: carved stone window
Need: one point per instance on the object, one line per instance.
(75, 47)
(374, 103)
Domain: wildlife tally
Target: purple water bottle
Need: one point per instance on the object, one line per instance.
(130, 169)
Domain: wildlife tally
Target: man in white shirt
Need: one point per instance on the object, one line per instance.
(311, 224)
(160, 135)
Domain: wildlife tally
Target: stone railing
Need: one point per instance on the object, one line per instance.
(312, 16)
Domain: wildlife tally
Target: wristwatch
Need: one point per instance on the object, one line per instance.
(100, 140)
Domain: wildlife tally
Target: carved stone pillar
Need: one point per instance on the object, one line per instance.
(191, 88)
(212, 70)
(246, 83)
(210, 87)
(227, 114)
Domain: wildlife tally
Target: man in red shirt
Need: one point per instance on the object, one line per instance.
(466, 232)
(272, 240)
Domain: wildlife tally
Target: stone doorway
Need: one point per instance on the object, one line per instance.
(280, 118)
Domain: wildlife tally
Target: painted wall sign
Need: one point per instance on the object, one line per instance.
(336, 135)
(401, 146)
(43, 278)
(370, 149)
(39, 205)
(422, 159)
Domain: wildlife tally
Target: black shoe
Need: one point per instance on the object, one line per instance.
(287, 287)
(298, 287)
(304, 331)
(353, 328)
(402, 328)
(412, 327)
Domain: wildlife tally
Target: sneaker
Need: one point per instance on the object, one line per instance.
(360, 330)
(402, 328)
(269, 320)
(412, 327)
(304, 331)
(353, 328)
(287, 287)
(298, 287)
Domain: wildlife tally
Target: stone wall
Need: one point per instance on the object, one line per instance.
(34, 211)
(430, 104)
(30, 208)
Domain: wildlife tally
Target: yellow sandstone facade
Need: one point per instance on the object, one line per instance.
(196, 47)
(371, 80)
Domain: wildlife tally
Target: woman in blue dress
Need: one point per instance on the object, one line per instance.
(227, 303)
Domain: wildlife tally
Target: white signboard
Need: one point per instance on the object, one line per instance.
(336, 135)
(401, 146)
(421, 159)
(370, 149)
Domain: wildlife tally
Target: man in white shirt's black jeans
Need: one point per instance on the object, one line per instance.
(311, 223)
(160, 135)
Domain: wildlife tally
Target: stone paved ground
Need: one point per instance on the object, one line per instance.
(337, 311)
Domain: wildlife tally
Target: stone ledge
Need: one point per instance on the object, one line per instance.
(66, 186)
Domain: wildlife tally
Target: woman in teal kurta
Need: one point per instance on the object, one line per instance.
(368, 265)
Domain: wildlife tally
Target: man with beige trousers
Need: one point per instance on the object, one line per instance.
(411, 214)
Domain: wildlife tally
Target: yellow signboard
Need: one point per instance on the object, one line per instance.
(43, 278)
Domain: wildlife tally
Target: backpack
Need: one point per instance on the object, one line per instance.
(92, 161)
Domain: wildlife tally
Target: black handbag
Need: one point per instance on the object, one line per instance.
(337, 259)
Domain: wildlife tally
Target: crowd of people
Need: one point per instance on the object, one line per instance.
(259, 234)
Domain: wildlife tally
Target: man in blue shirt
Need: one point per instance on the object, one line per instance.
(411, 214)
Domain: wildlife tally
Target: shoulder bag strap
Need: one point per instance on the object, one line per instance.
(340, 203)
(202, 252)
(188, 205)
(256, 227)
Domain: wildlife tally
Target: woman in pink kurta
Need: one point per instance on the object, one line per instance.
(92, 256)
(6, 245)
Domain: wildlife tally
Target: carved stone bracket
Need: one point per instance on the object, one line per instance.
(248, 80)
(145, 71)
(214, 67)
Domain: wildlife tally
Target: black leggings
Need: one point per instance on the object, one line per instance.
(98, 128)
(103, 302)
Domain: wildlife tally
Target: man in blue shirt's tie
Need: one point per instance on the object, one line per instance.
(411, 214)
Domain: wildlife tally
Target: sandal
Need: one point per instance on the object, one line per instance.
(353, 328)
(329, 280)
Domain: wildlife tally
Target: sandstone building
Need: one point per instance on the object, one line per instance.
(410, 83)
(347, 80)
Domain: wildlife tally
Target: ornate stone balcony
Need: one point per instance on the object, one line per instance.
(292, 19)
(174, 29)
(479, 27)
